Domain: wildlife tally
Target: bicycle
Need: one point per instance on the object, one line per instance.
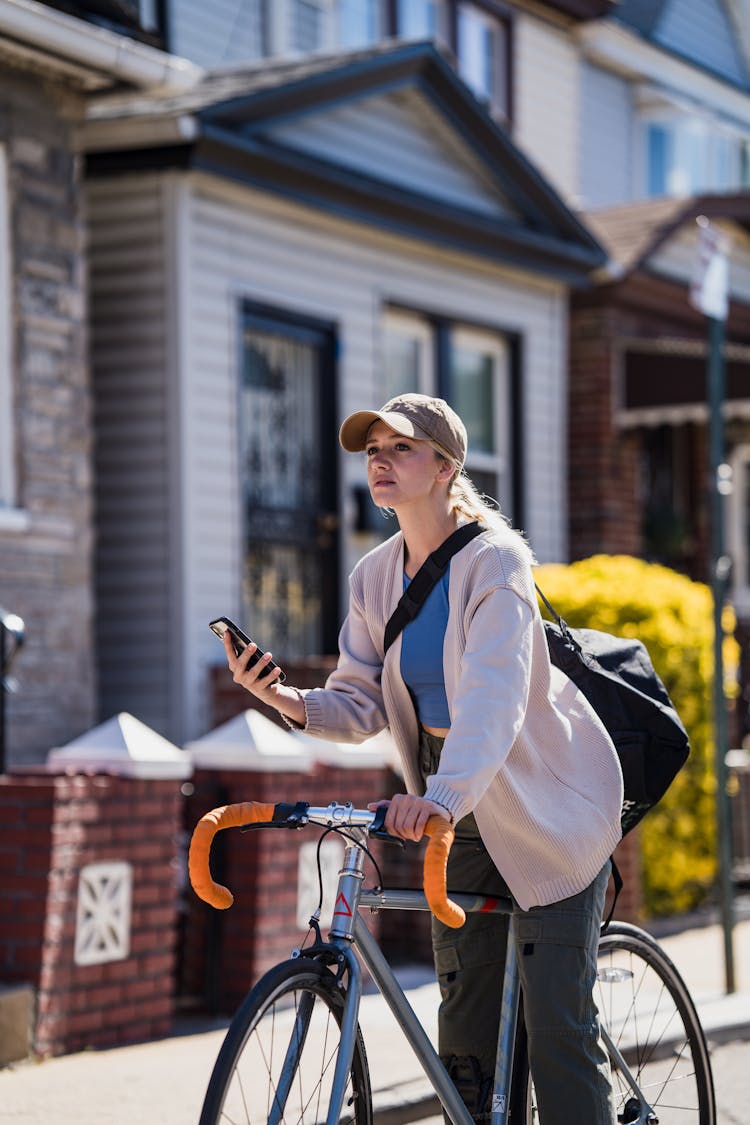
(294, 1051)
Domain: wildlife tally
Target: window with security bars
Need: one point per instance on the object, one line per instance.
(289, 492)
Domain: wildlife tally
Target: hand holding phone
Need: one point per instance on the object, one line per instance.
(240, 642)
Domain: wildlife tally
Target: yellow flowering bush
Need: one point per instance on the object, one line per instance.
(673, 617)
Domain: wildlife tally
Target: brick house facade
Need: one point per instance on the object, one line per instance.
(45, 542)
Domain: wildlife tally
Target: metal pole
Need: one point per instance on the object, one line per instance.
(719, 483)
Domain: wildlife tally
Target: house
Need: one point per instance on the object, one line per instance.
(272, 248)
(51, 63)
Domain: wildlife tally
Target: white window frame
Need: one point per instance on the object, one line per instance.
(441, 33)
(379, 35)
(498, 461)
(11, 519)
(401, 322)
(493, 24)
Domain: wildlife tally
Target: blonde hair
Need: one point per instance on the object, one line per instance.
(466, 500)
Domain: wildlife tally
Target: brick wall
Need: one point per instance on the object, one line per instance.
(45, 571)
(53, 827)
(604, 502)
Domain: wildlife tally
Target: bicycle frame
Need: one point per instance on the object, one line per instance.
(349, 931)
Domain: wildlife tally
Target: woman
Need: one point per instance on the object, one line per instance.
(493, 738)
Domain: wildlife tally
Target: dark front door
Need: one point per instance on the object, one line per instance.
(288, 450)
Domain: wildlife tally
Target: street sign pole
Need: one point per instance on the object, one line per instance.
(709, 293)
(719, 486)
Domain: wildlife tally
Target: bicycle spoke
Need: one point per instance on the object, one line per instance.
(278, 1061)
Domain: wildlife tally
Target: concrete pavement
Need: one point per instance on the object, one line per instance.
(162, 1082)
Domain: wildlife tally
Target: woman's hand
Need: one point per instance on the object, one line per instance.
(287, 700)
(407, 815)
(250, 678)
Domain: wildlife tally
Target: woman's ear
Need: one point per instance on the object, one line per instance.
(446, 470)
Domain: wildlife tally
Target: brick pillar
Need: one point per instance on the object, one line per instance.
(59, 831)
(627, 856)
(603, 461)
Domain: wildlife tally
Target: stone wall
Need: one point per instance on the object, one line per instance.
(45, 571)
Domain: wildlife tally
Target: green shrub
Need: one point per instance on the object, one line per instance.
(673, 617)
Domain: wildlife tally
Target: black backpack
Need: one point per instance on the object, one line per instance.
(614, 673)
(621, 684)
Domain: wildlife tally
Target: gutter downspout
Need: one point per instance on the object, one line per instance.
(73, 39)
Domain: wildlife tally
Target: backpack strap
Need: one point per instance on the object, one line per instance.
(426, 578)
(618, 884)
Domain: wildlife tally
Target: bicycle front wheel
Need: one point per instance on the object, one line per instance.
(646, 1009)
(277, 1061)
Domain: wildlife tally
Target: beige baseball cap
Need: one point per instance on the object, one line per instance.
(413, 415)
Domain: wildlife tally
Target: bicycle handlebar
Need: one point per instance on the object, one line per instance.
(439, 832)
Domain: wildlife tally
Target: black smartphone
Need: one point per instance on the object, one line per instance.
(240, 641)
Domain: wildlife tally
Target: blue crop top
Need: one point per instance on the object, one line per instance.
(422, 656)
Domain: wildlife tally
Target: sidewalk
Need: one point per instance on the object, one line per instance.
(163, 1082)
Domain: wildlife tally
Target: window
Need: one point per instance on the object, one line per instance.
(423, 354)
(308, 25)
(479, 381)
(360, 22)
(422, 19)
(669, 505)
(408, 354)
(148, 15)
(482, 52)
(689, 155)
(299, 26)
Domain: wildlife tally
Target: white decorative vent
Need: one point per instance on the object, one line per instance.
(103, 914)
(308, 891)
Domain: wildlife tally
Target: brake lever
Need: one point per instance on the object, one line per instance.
(377, 828)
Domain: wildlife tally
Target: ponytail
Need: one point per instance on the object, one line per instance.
(467, 501)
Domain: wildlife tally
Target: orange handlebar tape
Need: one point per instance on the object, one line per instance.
(228, 816)
(441, 836)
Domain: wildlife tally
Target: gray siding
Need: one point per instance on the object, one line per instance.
(607, 132)
(216, 33)
(132, 415)
(700, 30)
(432, 159)
(244, 244)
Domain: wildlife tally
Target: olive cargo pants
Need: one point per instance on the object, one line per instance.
(557, 952)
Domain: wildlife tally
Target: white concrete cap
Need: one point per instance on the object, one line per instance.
(124, 746)
(250, 742)
(373, 753)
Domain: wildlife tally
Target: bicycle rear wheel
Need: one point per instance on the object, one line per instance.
(647, 1011)
(277, 1061)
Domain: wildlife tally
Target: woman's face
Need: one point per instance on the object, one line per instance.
(402, 470)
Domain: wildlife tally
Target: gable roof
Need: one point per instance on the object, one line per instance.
(634, 232)
(701, 31)
(255, 123)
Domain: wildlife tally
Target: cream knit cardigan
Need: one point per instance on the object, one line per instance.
(526, 752)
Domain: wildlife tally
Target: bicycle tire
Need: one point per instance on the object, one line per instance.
(294, 1011)
(647, 1010)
